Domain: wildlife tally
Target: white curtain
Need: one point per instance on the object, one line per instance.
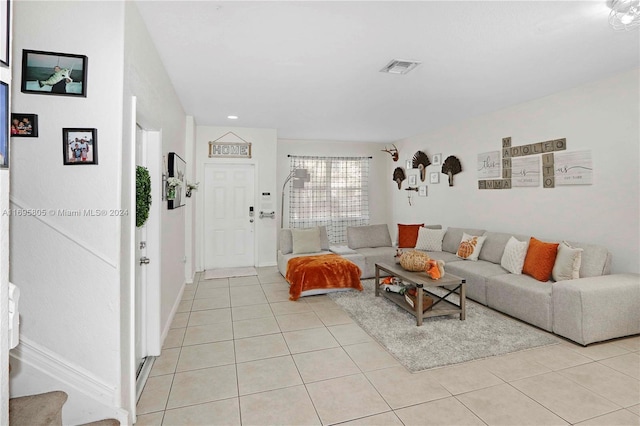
(336, 195)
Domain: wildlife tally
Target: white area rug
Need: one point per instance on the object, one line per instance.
(441, 340)
(229, 272)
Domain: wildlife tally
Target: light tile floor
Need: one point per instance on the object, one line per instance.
(240, 353)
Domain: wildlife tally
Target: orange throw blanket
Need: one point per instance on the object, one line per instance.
(320, 272)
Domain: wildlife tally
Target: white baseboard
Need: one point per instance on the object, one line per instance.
(172, 314)
(90, 398)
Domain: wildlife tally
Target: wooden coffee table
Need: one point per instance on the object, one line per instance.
(421, 280)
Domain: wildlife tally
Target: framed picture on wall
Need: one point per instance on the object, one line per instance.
(4, 34)
(4, 125)
(24, 125)
(434, 177)
(79, 146)
(49, 73)
(436, 159)
(176, 181)
(413, 180)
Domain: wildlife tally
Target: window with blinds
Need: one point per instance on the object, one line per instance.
(336, 195)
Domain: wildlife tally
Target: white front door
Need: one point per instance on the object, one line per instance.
(229, 215)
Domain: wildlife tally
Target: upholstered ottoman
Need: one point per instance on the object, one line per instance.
(309, 275)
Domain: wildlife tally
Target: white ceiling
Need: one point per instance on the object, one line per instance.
(311, 69)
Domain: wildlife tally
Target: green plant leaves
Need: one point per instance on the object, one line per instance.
(143, 195)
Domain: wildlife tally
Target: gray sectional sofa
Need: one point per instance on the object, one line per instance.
(595, 307)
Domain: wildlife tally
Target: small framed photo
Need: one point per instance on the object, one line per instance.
(177, 170)
(79, 146)
(413, 180)
(434, 177)
(422, 191)
(49, 73)
(408, 165)
(4, 35)
(436, 160)
(24, 125)
(4, 124)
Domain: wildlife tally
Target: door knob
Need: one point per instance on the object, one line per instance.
(144, 260)
(250, 220)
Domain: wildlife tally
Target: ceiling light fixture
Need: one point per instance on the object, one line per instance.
(401, 66)
(232, 117)
(625, 14)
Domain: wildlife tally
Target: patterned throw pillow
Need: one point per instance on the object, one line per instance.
(408, 234)
(513, 257)
(470, 246)
(540, 259)
(430, 239)
(568, 261)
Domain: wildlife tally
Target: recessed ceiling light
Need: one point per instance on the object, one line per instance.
(232, 117)
(400, 66)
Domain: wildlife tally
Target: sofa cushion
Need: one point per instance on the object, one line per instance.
(305, 240)
(408, 235)
(540, 259)
(567, 265)
(494, 245)
(596, 260)
(286, 241)
(430, 239)
(513, 256)
(523, 297)
(453, 236)
(368, 236)
(476, 275)
(470, 246)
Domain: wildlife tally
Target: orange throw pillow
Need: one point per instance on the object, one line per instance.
(408, 235)
(540, 259)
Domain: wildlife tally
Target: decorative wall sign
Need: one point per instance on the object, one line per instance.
(573, 168)
(233, 147)
(520, 168)
(489, 165)
(525, 171)
(79, 146)
(49, 73)
(24, 125)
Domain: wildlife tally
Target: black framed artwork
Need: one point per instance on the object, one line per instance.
(177, 170)
(24, 125)
(4, 125)
(49, 73)
(79, 146)
(5, 6)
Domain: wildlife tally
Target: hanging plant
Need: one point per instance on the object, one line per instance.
(143, 195)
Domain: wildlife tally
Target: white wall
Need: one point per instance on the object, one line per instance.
(601, 117)
(379, 179)
(68, 267)
(263, 152)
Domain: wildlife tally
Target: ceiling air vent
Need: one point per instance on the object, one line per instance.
(400, 66)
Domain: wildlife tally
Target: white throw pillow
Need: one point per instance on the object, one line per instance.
(514, 254)
(568, 261)
(430, 239)
(470, 246)
(306, 240)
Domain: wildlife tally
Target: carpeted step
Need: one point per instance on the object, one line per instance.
(44, 409)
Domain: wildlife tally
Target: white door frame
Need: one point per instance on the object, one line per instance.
(153, 141)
